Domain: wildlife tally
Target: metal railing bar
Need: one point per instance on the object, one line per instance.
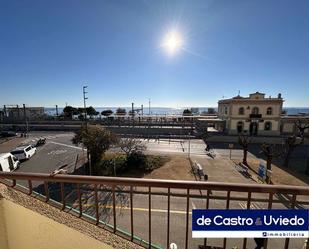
(237, 187)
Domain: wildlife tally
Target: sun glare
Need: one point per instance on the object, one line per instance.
(172, 42)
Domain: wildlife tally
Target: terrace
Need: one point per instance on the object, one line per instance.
(154, 213)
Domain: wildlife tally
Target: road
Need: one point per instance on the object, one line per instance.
(59, 150)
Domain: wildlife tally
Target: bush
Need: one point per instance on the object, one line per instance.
(136, 160)
(155, 162)
(136, 164)
(106, 165)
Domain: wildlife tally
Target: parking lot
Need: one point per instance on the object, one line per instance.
(58, 151)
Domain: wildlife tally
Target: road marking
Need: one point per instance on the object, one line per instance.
(139, 209)
(193, 205)
(56, 152)
(253, 205)
(66, 145)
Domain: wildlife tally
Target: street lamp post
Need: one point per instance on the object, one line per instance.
(84, 97)
(85, 121)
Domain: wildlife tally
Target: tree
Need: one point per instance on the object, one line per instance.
(69, 111)
(244, 140)
(96, 139)
(121, 111)
(91, 111)
(107, 113)
(271, 151)
(187, 112)
(131, 145)
(294, 141)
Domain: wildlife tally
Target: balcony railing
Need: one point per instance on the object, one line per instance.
(98, 199)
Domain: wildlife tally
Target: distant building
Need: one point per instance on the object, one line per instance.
(254, 115)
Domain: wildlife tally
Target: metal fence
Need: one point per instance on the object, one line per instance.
(84, 194)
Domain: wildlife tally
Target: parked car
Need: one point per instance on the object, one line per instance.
(8, 134)
(40, 142)
(8, 162)
(24, 152)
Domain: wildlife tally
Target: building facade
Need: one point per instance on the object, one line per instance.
(254, 115)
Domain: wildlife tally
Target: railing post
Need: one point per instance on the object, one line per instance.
(96, 203)
(244, 246)
(131, 212)
(293, 202)
(79, 196)
(46, 191)
(270, 203)
(30, 187)
(149, 213)
(168, 217)
(114, 209)
(187, 218)
(227, 207)
(207, 207)
(62, 195)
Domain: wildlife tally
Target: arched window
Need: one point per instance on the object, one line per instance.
(240, 126)
(269, 111)
(241, 111)
(268, 126)
(225, 110)
(255, 110)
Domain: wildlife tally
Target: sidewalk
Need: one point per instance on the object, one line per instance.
(10, 144)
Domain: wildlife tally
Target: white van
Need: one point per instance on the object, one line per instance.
(8, 162)
(24, 152)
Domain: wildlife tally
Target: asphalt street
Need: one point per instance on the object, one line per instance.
(59, 151)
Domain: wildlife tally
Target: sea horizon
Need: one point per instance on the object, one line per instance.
(170, 110)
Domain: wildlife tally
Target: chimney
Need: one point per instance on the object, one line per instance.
(279, 95)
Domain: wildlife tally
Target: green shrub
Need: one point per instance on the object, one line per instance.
(136, 160)
(106, 165)
(155, 162)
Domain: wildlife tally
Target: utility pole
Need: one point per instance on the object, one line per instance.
(85, 122)
(149, 106)
(57, 113)
(84, 97)
(25, 117)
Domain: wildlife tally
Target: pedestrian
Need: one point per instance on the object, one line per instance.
(207, 147)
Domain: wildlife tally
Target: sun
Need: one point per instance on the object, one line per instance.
(172, 42)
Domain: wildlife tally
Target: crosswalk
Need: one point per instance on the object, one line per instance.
(34, 139)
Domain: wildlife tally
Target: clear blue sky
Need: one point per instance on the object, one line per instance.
(49, 49)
